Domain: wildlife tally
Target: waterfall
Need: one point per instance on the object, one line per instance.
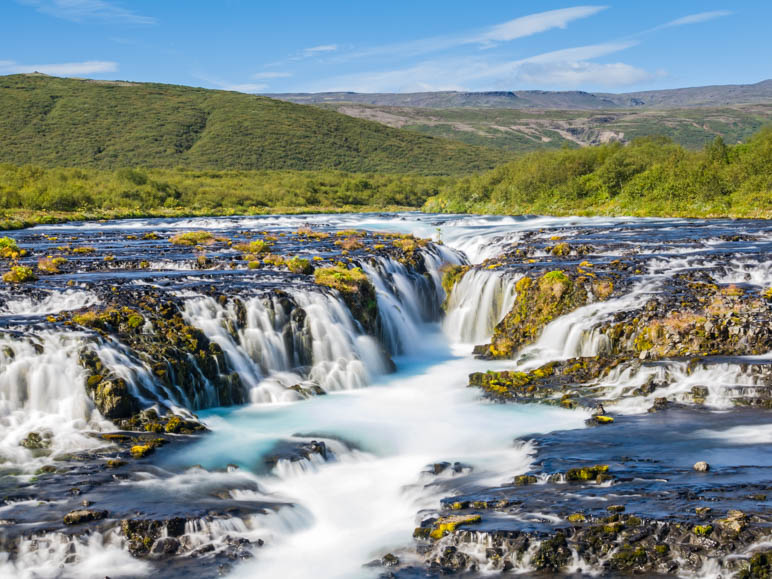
(280, 343)
(575, 334)
(477, 303)
(43, 390)
(407, 299)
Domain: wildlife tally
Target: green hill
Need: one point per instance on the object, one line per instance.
(53, 121)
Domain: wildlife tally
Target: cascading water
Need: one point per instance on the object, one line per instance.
(42, 390)
(393, 450)
(477, 303)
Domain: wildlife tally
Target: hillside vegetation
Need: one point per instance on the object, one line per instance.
(61, 122)
(525, 130)
(651, 176)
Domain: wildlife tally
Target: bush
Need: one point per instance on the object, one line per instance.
(19, 274)
(300, 265)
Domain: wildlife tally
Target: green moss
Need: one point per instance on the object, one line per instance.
(576, 518)
(702, 530)
(191, 238)
(141, 450)
(451, 275)
(135, 321)
(586, 473)
(445, 525)
(173, 425)
(340, 278)
(253, 247)
(561, 249)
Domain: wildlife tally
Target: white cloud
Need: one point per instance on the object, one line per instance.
(89, 10)
(697, 18)
(247, 87)
(61, 69)
(575, 74)
(314, 50)
(504, 32)
(269, 75)
(534, 24)
(569, 67)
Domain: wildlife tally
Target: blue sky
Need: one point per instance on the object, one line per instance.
(394, 46)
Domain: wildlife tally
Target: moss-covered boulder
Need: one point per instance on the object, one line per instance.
(539, 301)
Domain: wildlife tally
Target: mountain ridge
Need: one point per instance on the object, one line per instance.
(711, 95)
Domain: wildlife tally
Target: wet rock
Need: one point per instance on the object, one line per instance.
(553, 554)
(36, 441)
(83, 516)
(389, 560)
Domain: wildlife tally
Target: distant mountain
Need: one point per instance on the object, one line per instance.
(106, 124)
(720, 95)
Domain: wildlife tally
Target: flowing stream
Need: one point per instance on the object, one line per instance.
(395, 442)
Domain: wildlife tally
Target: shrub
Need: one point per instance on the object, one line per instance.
(51, 264)
(300, 265)
(350, 243)
(19, 274)
(9, 249)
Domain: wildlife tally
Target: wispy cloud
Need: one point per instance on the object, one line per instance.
(60, 69)
(697, 18)
(270, 75)
(246, 87)
(485, 38)
(534, 24)
(565, 68)
(321, 49)
(90, 10)
(575, 74)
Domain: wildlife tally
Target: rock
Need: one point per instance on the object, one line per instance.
(701, 466)
(166, 546)
(735, 522)
(553, 554)
(113, 399)
(659, 404)
(83, 516)
(599, 420)
(36, 441)
(141, 450)
(389, 560)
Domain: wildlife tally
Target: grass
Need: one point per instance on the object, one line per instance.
(58, 122)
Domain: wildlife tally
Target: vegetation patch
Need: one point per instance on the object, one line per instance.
(19, 274)
(192, 238)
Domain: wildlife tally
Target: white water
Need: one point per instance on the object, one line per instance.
(42, 389)
(477, 303)
(363, 503)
